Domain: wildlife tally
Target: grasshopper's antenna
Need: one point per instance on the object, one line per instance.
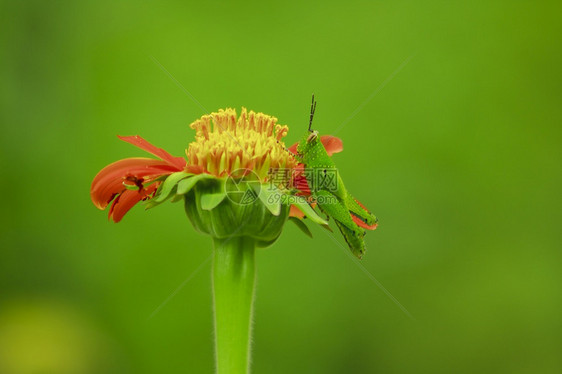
(312, 110)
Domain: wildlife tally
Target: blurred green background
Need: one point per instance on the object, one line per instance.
(458, 153)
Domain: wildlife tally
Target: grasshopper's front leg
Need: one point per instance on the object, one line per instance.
(336, 208)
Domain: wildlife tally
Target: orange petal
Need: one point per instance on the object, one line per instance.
(126, 200)
(178, 162)
(301, 184)
(299, 180)
(109, 181)
(195, 169)
(293, 148)
(295, 212)
(332, 144)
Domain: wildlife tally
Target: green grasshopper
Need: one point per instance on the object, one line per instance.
(328, 190)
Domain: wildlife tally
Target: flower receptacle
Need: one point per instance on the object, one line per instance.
(216, 210)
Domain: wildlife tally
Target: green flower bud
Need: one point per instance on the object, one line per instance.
(233, 208)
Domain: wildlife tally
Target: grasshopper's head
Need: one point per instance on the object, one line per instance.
(308, 143)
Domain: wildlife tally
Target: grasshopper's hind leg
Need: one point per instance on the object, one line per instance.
(360, 211)
(336, 208)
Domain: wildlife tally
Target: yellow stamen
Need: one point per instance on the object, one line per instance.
(225, 143)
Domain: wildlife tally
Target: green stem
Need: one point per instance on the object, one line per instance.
(234, 275)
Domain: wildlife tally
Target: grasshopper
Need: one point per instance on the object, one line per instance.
(329, 192)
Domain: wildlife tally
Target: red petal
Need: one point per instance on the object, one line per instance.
(293, 148)
(296, 212)
(301, 184)
(299, 180)
(195, 169)
(109, 181)
(129, 198)
(298, 170)
(332, 144)
(178, 162)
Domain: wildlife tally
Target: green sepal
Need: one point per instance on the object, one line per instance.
(169, 184)
(301, 225)
(266, 243)
(308, 211)
(210, 200)
(270, 196)
(185, 185)
(231, 217)
(327, 227)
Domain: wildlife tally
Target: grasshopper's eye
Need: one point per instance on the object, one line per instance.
(312, 136)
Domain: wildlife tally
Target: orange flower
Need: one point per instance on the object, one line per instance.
(128, 181)
(224, 143)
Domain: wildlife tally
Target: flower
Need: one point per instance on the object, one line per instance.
(246, 147)
(225, 144)
(235, 155)
(128, 181)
